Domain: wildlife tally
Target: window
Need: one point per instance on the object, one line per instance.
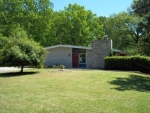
(76, 50)
(82, 51)
(82, 58)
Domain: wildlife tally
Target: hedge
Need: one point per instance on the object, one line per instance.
(129, 63)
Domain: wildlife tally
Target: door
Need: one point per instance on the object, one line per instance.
(75, 60)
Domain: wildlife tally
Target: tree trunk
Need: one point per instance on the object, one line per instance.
(22, 66)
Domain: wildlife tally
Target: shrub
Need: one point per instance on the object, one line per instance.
(129, 63)
(61, 66)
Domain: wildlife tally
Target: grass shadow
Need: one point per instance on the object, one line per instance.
(133, 82)
(14, 74)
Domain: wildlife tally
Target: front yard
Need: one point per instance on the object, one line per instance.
(74, 91)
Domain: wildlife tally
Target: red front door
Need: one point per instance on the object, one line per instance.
(75, 60)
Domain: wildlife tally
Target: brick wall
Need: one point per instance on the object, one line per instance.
(59, 55)
(100, 49)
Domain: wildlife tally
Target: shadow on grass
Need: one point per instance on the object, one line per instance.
(14, 74)
(133, 82)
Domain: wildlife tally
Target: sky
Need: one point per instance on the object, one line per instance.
(98, 7)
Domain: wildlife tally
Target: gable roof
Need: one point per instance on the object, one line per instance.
(68, 46)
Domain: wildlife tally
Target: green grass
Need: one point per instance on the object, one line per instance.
(84, 91)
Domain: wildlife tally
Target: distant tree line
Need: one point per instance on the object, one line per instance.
(77, 26)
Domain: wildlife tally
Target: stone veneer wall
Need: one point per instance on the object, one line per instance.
(59, 55)
(100, 49)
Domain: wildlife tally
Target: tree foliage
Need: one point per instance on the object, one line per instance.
(21, 51)
(123, 29)
(3, 41)
(142, 9)
(77, 26)
(74, 24)
(34, 16)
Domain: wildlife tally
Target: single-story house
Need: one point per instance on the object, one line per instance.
(118, 52)
(79, 56)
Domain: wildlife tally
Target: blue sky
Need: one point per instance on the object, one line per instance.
(99, 7)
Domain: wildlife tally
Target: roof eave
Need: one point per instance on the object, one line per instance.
(68, 46)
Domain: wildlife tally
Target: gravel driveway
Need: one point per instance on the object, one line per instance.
(8, 69)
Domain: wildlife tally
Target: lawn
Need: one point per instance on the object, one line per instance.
(74, 91)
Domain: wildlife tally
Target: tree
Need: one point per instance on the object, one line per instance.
(3, 41)
(142, 9)
(116, 30)
(102, 20)
(77, 26)
(74, 24)
(21, 51)
(125, 31)
(34, 16)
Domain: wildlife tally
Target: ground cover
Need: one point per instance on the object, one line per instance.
(74, 91)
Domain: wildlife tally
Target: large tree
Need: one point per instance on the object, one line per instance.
(77, 26)
(18, 50)
(32, 15)
(142, 9)
(124, 29)
(74, 25)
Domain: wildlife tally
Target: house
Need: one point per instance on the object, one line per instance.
(79, 56)
(118, 52)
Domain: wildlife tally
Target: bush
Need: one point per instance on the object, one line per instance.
(129, 63)
(61, 66)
